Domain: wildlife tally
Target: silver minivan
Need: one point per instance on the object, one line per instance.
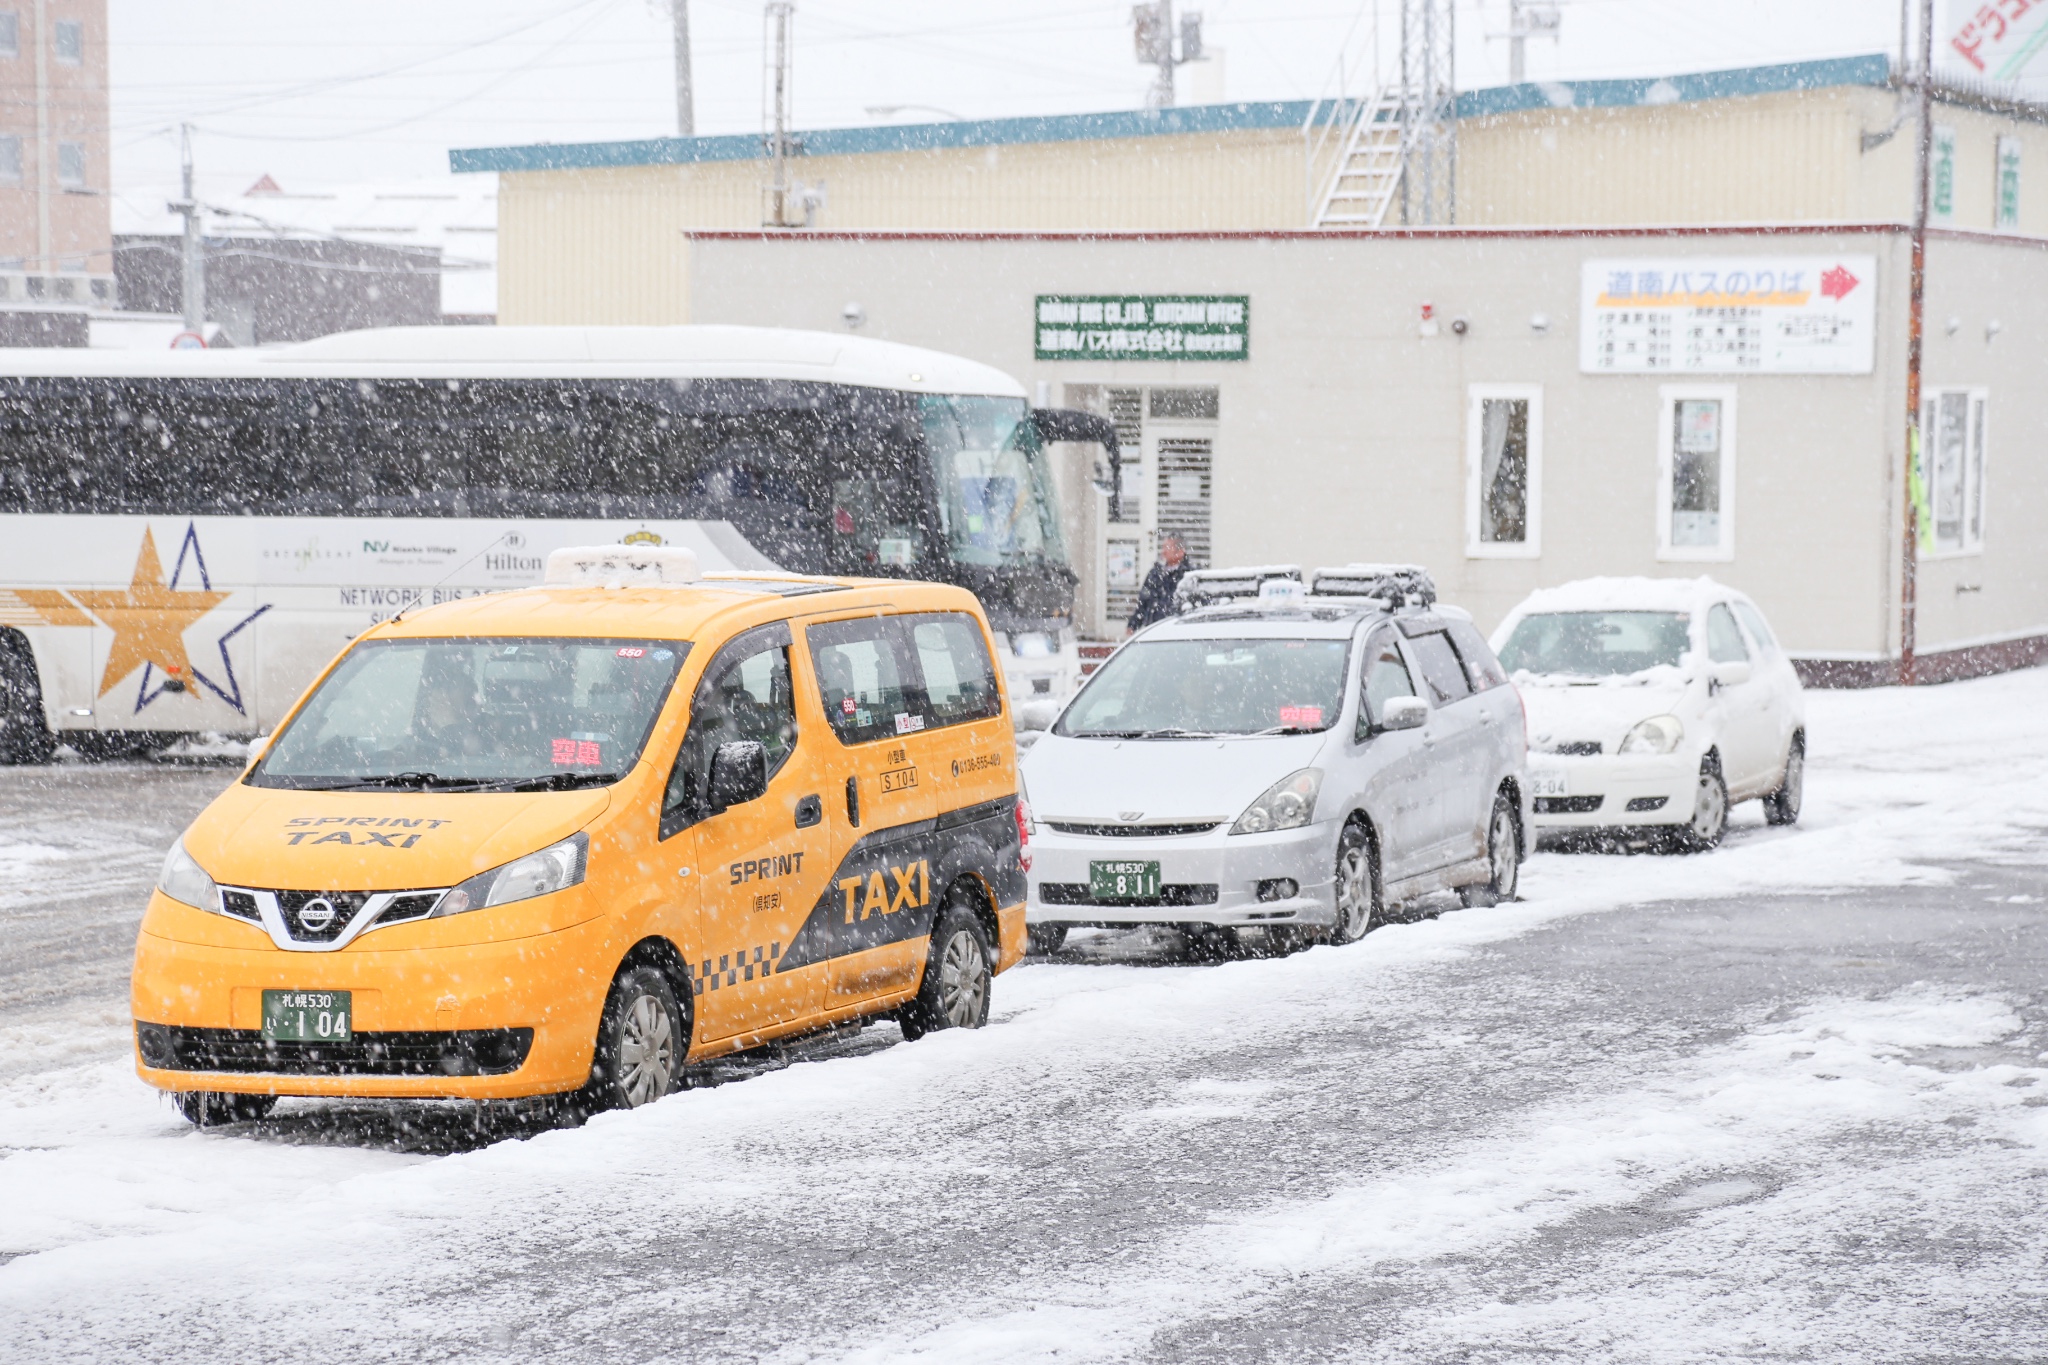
(1286, 755)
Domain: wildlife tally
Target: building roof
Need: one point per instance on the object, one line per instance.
(1871, 70)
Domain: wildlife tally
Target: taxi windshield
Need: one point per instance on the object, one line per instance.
(494, 714)
(1173, 689)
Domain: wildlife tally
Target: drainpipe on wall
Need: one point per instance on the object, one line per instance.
(44, 257)
(1909, 540)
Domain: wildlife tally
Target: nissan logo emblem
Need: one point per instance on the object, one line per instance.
(317, 914)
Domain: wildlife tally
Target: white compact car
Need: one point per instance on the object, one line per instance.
(1654, 704)
(1286, 756)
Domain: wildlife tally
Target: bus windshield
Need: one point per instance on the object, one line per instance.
(476, 715)
(996, 504)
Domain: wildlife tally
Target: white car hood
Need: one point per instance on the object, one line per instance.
(1159, 779)
(1564, 713)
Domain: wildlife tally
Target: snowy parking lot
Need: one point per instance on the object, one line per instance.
(1786, 1099)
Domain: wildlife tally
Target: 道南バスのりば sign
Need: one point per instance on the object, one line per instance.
(1143, 327)
(1728, 315)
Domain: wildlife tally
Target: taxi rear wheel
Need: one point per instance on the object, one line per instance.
(641, 1042)
(1046, 939)
(205, 1108)
(1356, 888)
(957, 974)
(1503, 858)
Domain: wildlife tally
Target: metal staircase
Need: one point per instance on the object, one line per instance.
(1357, 145)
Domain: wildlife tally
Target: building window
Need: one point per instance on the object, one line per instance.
(10, 34)
(69, 36)
(1504, 471)
(10, 161)
(1696, 473)
(1952, 468)
(71, 165)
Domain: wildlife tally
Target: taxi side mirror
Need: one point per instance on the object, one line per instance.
(1404, 713)
(739, 774)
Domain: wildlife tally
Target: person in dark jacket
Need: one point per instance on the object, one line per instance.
(1155, 598)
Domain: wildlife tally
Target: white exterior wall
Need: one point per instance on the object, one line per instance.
(1344, 437)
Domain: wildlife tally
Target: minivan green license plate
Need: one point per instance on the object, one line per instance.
(1123, 881)
(305, 1016)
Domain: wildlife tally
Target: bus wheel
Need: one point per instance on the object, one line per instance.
(641, 1043)
(205, 1108)
(24, 731)
(110, 746)
(955, 989)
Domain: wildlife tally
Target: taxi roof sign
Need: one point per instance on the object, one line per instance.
(622, 566)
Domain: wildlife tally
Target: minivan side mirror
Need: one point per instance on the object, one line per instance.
(739, 774)
(1404, 713)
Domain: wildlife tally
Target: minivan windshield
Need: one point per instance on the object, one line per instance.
(1173, 689)
(491, 714)
(1596, 643)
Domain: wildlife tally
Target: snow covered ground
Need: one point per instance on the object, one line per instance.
(1782, 1100)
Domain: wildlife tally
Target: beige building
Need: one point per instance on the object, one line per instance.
(1667, 338)
(56, 238)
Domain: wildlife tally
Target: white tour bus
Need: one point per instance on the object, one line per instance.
(187, 537)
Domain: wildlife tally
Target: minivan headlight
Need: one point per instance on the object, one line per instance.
(1288, 804)
(183, 879)
(1657, 735)
(555, 868)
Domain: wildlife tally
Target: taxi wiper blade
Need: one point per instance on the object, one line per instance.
(422, 781)
(1290, 730)
(558, 782)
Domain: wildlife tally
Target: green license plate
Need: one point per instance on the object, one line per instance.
(305, 1016)
(1123, 881)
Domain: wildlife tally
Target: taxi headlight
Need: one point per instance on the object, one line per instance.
(1657, 735)
(555, 868)
(185, 880)
(1288, 804)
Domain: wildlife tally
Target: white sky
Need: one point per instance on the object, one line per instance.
(290, 89)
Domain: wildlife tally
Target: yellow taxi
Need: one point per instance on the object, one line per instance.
(563, 840)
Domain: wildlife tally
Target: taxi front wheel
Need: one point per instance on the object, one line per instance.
(957, 972)
(641, 1041)
(205, 1108)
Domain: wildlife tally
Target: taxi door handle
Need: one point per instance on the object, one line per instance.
(809, 811)
(853, 802)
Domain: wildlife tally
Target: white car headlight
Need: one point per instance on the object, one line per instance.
(555, 868)
(1657, 735)
(185, 880)
(1288, 804)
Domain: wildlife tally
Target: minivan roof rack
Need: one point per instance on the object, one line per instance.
(1206, 587)
(1398, 585)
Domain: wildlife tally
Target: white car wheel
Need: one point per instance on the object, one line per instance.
(1357, 903)
(1781, 807)
(1503, 859)
(1709, 810)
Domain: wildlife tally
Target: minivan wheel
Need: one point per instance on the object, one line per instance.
(641, 1043)
(957, 974)
(205, 1108)
(1709, 811)
(1356, 889)
(1781, 807)
(1503, 858)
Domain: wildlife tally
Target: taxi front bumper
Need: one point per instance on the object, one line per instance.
(1210, 878)
(487, 1020)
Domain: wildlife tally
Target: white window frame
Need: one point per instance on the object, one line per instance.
(64, 179)
(1669, 397)
(1977, 429)
(58, 32)
(1476, 396)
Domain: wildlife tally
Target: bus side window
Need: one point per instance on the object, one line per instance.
(1386, 678)
(746, 693)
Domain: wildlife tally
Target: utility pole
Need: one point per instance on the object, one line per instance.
(1526, 18)
(1429, 112)
(777, 16)
(1152, 33)
(686, 112)
(1909, 541)
(193, 296)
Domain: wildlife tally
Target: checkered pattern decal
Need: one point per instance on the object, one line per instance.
(734, 968)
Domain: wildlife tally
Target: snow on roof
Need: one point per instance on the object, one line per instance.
(1625, 594)
(458, 215)
(696, 352)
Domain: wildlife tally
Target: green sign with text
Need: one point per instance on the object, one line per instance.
(1143, 327)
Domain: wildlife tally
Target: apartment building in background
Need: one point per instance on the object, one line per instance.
(56, 236)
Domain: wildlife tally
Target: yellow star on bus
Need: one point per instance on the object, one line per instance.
(149, 619)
